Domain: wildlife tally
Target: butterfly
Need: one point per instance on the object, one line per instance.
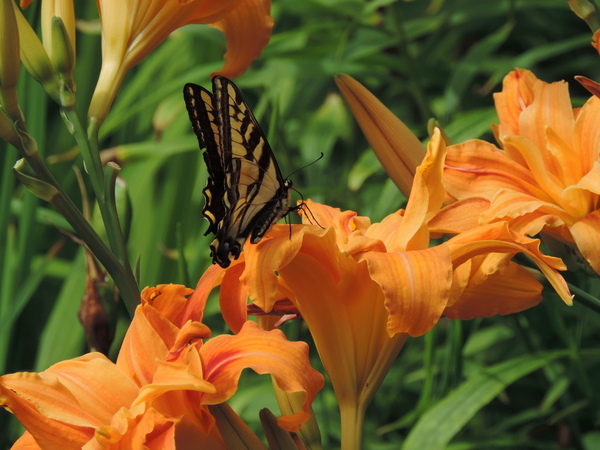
(246, 193)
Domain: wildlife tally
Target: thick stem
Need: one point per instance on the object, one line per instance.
(353, 417)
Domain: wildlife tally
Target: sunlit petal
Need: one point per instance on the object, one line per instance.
(224, 357)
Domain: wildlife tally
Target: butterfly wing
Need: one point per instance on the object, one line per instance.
(205, 122)
(252, 195)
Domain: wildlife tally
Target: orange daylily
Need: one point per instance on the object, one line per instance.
(158, 392)
(545, 179)
(132, 29)
(362, 288)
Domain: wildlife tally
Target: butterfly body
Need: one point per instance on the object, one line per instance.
(246, 193)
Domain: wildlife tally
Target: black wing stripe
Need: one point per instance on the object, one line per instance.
(199, 103)
(246, 193)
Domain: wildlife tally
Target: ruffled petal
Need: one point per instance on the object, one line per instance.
(416, 286)
(224, 357)
(496, 296)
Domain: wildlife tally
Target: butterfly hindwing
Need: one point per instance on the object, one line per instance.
(252, 194)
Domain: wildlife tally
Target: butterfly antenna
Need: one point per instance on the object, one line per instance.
(304, 167)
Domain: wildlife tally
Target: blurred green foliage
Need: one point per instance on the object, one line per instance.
(423, 59)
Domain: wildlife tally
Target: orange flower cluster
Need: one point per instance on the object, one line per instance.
(157, 394)
(546, 177)
(363, 287)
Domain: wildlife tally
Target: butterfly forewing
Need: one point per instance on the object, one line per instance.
(205, 123)
(253, 194)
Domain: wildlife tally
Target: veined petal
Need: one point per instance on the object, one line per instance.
(460, 216)
(63, 405)
(496, 296)
(478, 168)
(48, 433)
(272, 255)
(512, 204)
(416, 286)
(396, 147)
(586, 136)
(586, 234)
(224, 357)
(149, 338)
(248, 29)
(498, 238)
(516, 96)
(551, 108)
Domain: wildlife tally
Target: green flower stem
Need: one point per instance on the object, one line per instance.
(122, 275)
(93, 164)
(585, 299)
(120, 272)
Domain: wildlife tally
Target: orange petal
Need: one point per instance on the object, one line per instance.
(224, 357)
(396, 147)
(511, 204)
(271, 255)
(168, 299)
(194, 309)
(596, 42)
(460, 216)
(498, 238)
(586, 233)
(149, 338)
(497, 296)
(516, 95)
(551, 108)
(478, 168)
(248, 30)
(233, 298)
(26, 442)
(586, 136)
(136, 430)
(48, 433)
(416, 286)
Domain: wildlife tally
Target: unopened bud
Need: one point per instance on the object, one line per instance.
(63, 54)
(9, 60)
(34, 57)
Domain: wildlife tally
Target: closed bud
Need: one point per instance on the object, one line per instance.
(9, 60)
(34, 57)
(63, 54)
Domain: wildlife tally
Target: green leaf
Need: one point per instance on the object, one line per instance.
(440, 424)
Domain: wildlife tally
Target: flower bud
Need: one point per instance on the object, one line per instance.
(9, 60)
(62, 54)
(34, 57)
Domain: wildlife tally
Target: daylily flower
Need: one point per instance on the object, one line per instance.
(158, 392)
(362, 288)
(132, 29)
(545, 179)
